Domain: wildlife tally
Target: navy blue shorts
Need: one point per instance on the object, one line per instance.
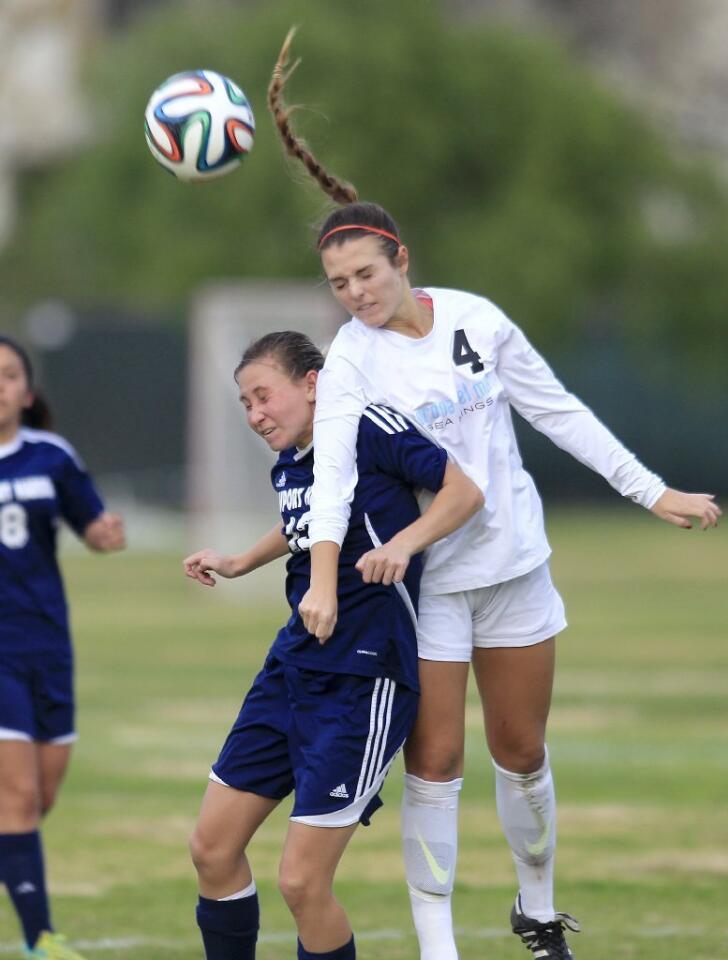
(331, 737)
(36, 695)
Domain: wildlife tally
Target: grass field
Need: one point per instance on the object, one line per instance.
(638, 737)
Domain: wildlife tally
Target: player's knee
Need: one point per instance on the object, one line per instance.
(294, 887)
(199, 850)
(48, 801)
(298, 887)
(524, 754)
(20, 805)
(439, 763)
(209, 854)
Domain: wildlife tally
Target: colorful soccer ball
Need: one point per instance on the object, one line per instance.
(199, 125)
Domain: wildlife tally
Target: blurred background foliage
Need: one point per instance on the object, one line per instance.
(510, 169)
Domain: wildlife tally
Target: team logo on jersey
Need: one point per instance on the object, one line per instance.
(281, 481)
(27, 488)
(441, 412)
(340, 792)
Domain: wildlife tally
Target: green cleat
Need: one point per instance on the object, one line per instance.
(53, 946)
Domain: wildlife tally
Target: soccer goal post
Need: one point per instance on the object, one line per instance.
(230, 498)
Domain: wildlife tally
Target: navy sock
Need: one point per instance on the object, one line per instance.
(347, 952)
(21, 867)
(229, 927)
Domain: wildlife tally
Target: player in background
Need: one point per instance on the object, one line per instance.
(42, 481)
(456, 364)
(322, 720)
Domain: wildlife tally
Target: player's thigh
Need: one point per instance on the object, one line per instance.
(345, 735)
(229, 818)
(515, 685)
(445, 627)
(521, 612)
(53, 760)
(19, 786)
(255, 757)
(434, 748)
(310, 858)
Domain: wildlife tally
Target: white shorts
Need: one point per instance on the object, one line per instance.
(516, 613)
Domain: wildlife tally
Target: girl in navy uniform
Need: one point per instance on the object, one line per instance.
(324, 721)
(42, 481)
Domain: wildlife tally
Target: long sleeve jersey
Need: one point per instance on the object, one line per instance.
(458, 384)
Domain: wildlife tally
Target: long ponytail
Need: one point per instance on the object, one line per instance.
(338, 190)
(358, 217)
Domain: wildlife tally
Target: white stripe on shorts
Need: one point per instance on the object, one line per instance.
(385, 713)
(373, 730)
(7, 734)
(373, 768)
(64, 739)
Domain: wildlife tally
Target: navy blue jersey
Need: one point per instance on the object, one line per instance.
(41, 481)
(375, 634)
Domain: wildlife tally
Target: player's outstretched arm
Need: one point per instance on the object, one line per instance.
(457, 500)
(105, 534)
(201, 565)
(679, 508)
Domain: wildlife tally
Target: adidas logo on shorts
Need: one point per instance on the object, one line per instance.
(340, 791)
(26, 887)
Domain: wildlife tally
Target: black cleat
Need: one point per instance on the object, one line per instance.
(545, 940)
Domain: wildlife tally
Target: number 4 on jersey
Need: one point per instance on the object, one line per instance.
(463, 353)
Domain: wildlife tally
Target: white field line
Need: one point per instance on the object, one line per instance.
(466, 933)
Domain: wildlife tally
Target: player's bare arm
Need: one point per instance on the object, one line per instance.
(679, 508)
(318, 608)
(105, 534)
(455, 503)
(201, 565)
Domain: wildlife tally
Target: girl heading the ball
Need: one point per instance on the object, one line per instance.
(456, 364)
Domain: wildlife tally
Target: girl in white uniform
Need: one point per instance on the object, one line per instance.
(456, 364)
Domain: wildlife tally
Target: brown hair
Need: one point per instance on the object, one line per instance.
(294, 352)
(338, 190)
(352, 211)
(38, 414)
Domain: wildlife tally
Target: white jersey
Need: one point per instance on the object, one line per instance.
(458, 383)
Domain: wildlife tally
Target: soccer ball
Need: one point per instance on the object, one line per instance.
(199, 125)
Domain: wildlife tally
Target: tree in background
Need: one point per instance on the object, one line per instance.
(511, 170)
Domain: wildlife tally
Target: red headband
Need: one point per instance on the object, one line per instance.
(358, 226)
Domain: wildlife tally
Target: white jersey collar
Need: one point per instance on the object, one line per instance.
(302, 451)
(8, 449)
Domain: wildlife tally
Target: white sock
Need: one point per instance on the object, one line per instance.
(241, 894)
(527, 809)
(430, 839)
